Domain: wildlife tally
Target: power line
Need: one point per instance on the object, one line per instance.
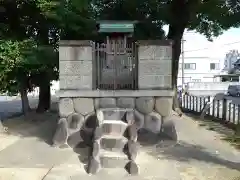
(208, 47)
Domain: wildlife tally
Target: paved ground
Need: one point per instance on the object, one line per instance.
(12, 105)
(25, 153)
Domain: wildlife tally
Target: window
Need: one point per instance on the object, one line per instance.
(190, 66)
(214, 66)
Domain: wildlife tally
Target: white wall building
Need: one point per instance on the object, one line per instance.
(199, 69)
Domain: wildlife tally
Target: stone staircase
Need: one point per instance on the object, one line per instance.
(114, 141)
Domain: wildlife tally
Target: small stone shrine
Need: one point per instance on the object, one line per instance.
(111, 89)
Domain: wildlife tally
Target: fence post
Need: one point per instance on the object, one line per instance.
(238, 123)
(224, 110)
(190, 103)
(218, 108)
(187, 102)
(209, 109)
(200, 104)
(229, 109)
(234, 113)
(193, 103)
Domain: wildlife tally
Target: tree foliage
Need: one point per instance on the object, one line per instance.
(14, 65)
(30, 29)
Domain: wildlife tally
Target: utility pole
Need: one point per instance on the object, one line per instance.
(182, 62)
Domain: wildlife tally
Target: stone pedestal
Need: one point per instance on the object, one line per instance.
(109, 121)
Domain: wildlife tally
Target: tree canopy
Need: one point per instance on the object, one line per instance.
(30, 30)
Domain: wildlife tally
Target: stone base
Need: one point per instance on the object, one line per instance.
(109, 125)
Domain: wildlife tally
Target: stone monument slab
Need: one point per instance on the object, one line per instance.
(155, 65)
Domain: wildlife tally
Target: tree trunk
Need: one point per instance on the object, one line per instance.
(180, 18)
(175, 34)
(24, 98)
(44, 102)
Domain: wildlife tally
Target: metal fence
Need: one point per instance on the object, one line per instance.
(223, 110)
(116, 64)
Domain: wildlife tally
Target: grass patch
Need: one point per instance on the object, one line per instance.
(234, 140)
(202, 125)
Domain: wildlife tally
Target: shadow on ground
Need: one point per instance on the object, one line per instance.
(168, 148)
(212, 125)
(159, 146)
(184, 152)
(41, 126)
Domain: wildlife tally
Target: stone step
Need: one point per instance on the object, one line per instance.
(114, 113)
(112, 159)
(113, 127)
(113, 142)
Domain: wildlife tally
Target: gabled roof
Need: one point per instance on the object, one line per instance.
(116, 26)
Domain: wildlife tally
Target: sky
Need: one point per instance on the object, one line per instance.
(196, 45)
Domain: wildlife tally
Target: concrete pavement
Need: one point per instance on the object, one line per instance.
(12, 106)
(199, 155)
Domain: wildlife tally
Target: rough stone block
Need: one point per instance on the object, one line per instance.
(65, 107)
(74, 139)
(132, 132)
(98, 133)
(87, 137)
(155, 52)
(151, 82)
(168, 81)
(61, 135)
(124, 102)
(113, 143)
(114, 128)
(145, 105)
(163, 105)
(83, 106)
(153, 122)
(132, 150)
(132, 168)
(130, 117)
(151, 67)
(139, 119)
(96, 149)
(75, 121)
(71, 82)
(91, 121)
(75, 68)
(168, 129)
(75, 53)
(105, 103)
(94, 166)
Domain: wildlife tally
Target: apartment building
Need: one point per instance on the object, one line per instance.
(199, 69)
